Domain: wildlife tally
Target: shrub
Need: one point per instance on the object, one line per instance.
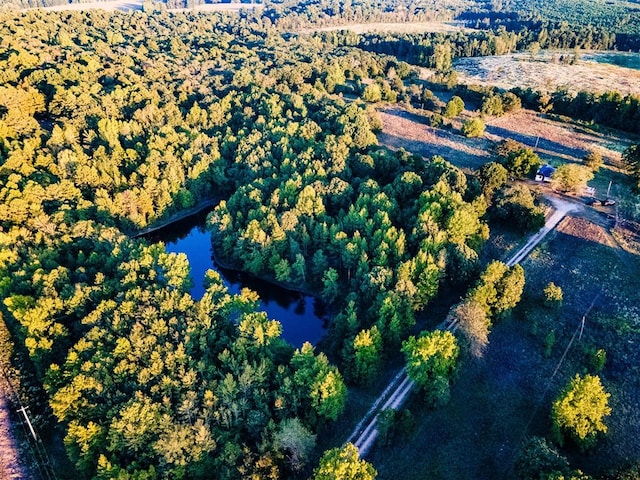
(372, 93)
(552, 295)
(473, 127)
(454, 107)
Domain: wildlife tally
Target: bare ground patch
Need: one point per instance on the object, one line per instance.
(10, 465)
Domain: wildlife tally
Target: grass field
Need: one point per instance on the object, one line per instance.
(595, 71)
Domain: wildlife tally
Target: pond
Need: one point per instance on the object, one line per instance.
(302, 316)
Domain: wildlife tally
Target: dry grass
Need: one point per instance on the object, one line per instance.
(408, 130)
(126, 5)
(413, 27)
(504, 397)
(554, 140)
(546, 73)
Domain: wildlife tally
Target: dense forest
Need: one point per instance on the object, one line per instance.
(109, 122)
(113, 122)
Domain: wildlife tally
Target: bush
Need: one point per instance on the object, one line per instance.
(436, 120)
(454, 107)
(492, 105)
(473, 127)
(372, 93)
(552, 295)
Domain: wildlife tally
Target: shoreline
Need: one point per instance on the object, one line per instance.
(176, 217)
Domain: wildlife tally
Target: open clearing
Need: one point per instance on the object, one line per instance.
(547, 73)
(398, 27)
(555, 141)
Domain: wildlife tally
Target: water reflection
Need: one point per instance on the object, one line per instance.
(302, 316)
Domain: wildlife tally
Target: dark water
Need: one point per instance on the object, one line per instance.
(302, 316)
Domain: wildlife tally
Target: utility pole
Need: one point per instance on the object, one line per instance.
(23, 410)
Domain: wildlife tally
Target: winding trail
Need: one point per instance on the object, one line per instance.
(397, 392)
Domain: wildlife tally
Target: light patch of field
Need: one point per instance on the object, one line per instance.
(404, 27)
(555, 141)
(126, 5)
(404, 129)
(546, 73)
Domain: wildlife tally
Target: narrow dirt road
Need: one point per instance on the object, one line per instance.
(397, 392)
(10, 467)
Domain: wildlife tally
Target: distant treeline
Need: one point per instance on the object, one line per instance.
(610, 109)
(168, 3)
(437, 50)
(611, 15)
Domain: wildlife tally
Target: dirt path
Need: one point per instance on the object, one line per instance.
(10, 466)
(397, 392)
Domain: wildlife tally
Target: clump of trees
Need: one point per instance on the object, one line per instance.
(498, 290)
(431, 361)
(631, 159)
(520, 161)
(498, 104)
(515, 206)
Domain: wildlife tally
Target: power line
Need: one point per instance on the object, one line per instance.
(34, 442)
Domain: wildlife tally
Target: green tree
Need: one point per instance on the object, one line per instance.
(538, 460)
(593, 161)
(522, 162)
(493, 176)
(580, 410)
(321, 382)
(431, 360)
(344, 464)
(454, 107)
(571, 177)
(367, 355)
(293, 438)
(474, 127)
(631, 159)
